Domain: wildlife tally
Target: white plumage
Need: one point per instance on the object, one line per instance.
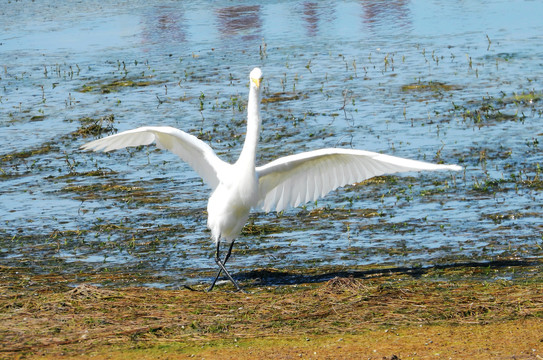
(286, 182)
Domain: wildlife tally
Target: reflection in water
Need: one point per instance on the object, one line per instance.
(163, 25)
(313, 13)
(172, 25)
(240, 20)
(311, 18)
(381, 13)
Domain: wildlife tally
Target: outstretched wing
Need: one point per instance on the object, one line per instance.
(189, 148)
(293, 180)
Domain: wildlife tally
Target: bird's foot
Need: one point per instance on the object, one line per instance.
(223, 268)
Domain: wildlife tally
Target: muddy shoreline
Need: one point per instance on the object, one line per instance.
(452, 307)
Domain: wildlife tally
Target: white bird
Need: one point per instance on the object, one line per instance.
(286, 182)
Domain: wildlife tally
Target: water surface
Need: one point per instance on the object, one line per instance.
(453, 82)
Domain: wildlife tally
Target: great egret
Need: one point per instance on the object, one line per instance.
(239, 187)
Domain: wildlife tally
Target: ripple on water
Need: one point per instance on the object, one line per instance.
(461, 87)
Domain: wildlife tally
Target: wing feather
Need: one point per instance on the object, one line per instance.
(189, 148)
(296, 179)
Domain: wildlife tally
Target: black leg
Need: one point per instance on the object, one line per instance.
(225, 260)
(222, 267)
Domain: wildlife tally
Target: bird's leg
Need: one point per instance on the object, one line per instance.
(222, 267)
(224, 263)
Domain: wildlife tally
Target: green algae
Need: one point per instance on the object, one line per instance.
(527, 98)
(281, 96)
(433, 86)
(116, 85)
(44, 149)
(95, 126)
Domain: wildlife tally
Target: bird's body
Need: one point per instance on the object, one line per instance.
(229, 206)
(286, 182)
(237, 193)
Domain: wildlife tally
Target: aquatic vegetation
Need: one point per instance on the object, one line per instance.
(24, 154)
(497, 109)
(433, 86)
(526, 98)
(117, 84)
(95, 127)
(281, 96)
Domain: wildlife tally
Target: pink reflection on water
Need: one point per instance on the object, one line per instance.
(386, 13)
(163, 25)
(242, 21)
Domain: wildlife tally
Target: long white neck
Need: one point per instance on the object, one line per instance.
(248, 153)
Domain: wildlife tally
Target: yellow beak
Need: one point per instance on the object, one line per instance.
(256, 81)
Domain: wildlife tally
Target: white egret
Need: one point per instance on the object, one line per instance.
(286, 182)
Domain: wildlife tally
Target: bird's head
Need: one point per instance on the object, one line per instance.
(256, 76)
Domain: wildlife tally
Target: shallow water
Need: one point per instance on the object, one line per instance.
(458, 82)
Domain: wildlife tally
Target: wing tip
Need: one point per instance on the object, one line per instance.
(86, 147)
(95, 145)
(454, 167)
